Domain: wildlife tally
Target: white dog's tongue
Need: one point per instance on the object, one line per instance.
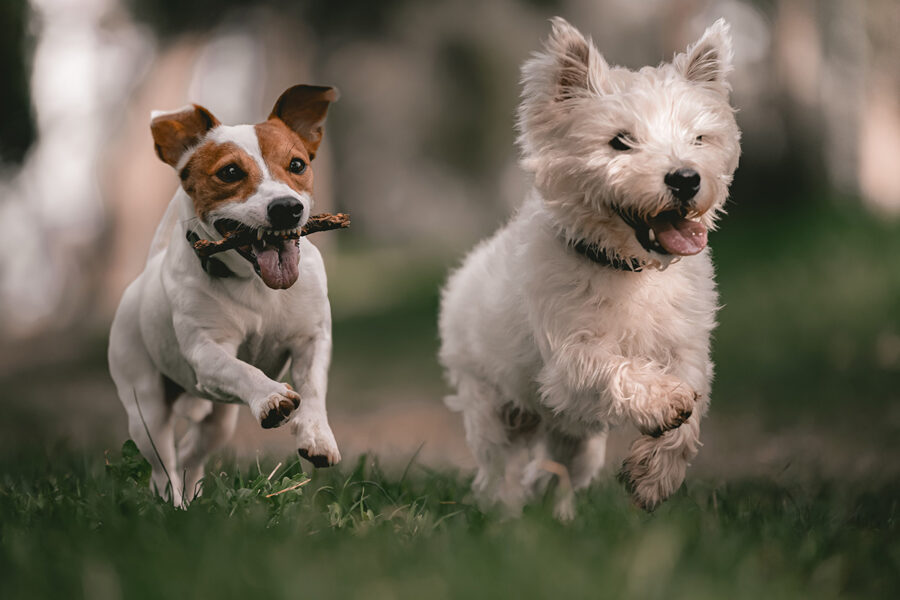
(278, 264)
(678, 235)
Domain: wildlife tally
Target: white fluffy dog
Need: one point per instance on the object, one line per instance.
(594, 305)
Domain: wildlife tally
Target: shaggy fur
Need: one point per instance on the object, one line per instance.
(547, 349)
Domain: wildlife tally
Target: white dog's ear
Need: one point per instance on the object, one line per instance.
(177, 131)
(579, 67)
(709, 60)
(303, 109)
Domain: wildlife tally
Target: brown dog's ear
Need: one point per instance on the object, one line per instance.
(303, 109)
(174, 132)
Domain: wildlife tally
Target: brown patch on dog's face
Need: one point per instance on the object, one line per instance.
(286, 154)
(217, 174)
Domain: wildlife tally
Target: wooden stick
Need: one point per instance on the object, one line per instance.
(244, 237)
(288, 489)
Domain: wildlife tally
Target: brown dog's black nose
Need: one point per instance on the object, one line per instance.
(285, 212)
(684, 183)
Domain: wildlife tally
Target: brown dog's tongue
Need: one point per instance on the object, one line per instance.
(278, 264)
(679, 235)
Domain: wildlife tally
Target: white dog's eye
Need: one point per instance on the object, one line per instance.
(621, 142)
(698, 140)
(230, 173)
(297, 166)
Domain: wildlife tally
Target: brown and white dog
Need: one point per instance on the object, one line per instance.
(205, 335)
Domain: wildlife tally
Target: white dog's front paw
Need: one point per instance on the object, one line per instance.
(315, 441)
(653, 471)
(670, 403)
(275, 409)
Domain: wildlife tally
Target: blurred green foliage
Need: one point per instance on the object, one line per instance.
(811, 312)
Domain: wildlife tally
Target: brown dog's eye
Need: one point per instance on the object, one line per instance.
(621, 142)
(297, 166)
(230, 173)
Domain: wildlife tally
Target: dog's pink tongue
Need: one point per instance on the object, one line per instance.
(678, 235)
(278, 265)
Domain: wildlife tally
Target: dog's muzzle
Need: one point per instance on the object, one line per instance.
(668, 232)
(274, 254)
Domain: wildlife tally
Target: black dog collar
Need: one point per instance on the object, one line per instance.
(598, 255)
(213, 266)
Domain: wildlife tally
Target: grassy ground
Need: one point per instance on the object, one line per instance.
(809, 341)
(72, 528)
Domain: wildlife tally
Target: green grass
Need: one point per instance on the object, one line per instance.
(72, 528)
(810, 324)
(809, 333)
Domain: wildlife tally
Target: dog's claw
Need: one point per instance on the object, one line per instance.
(319, 462)
(278, 414)
(674, 422)
(672, 405)
(278, 408)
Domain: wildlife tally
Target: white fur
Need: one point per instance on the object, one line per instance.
(223, 341)
(528, 322)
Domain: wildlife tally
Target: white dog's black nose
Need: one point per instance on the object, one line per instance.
(285, 212)
(684, 183)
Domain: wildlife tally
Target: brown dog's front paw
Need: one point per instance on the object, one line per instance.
(315, 441)
(318, 461)
(276, 409)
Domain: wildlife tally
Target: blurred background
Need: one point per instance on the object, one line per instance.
(420, 149)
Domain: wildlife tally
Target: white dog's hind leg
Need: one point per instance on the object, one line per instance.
(202, 439)
(655, 466)
(141, 389)
(575, 462)
(498, 436)
(588, 460)
(151, 424)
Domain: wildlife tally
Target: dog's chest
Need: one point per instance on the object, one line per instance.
(651, 317)
(269, 331)
(266, 351)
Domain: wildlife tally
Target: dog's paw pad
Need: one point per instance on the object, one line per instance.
(277, 415)
(278, 409)
(318, 461)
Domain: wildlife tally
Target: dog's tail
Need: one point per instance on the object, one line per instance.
(164, 230)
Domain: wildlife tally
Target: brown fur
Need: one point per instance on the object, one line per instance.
(208, 191)
(173, 133)
(278, 145)
(293, 130)
(303, 108)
